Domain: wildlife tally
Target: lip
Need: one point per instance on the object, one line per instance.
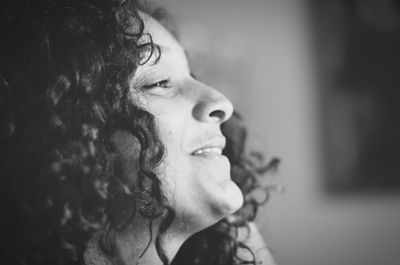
(216, 162)
(217, 142)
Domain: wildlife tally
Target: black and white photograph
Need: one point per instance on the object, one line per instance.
(200, 132)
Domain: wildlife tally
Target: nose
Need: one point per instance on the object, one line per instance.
(212, 106)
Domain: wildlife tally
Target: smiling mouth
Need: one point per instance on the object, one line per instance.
(207, 155)
(211, 148)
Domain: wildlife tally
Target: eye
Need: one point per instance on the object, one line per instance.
(160, 84)
(160, 88)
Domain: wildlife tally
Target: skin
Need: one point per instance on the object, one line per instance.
(188, 116)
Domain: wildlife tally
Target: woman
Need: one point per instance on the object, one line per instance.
(111, 149)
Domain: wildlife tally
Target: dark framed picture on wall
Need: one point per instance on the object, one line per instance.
(358, 58)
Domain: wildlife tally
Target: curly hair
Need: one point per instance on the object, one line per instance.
(65, 71)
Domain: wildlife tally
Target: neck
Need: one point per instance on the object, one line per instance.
(137, 243)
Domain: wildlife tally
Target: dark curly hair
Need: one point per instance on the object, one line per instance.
(65, 71)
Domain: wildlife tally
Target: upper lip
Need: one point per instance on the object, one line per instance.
(212, 142)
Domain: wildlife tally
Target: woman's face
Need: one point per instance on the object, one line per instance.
(195, 176)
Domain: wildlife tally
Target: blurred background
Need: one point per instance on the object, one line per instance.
(318, 84)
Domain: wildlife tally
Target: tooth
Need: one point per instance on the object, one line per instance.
(215, 150)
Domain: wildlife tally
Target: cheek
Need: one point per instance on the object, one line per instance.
(172, 130)
(172, 116)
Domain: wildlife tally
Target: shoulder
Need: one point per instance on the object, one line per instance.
(252, 238)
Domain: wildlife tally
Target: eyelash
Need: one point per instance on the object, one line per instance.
(161, 84)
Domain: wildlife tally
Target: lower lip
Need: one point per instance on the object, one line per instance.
(217, 160)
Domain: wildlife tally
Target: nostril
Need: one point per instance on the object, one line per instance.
(218, 114)
(211, 106)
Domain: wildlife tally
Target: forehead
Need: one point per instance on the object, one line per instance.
(160, 35)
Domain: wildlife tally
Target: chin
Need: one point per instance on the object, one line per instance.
(213, 207)
(231, 198)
